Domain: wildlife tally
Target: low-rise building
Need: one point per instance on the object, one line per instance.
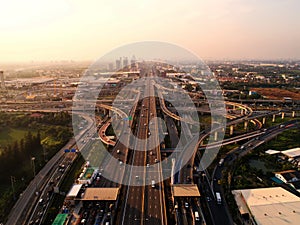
(291, 177)
(268, 206)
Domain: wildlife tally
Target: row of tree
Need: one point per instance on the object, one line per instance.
(15, 156)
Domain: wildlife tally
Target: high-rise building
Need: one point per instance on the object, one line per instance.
(118, 64)
(125, 62)
(133, 63)
(133, 60)
(2, 79)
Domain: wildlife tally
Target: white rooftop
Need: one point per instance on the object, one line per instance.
(271, 206)
(292, 153)
(271, 152)
(74, 190)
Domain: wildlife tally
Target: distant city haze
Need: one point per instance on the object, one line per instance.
(47, 30)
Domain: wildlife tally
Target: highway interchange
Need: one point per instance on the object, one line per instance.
(144, 199)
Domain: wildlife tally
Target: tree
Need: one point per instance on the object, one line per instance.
(189, 87)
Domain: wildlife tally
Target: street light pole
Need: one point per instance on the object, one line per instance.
(33, 167)
(13, 180)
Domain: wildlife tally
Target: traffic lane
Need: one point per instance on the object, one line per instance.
(218, 213)
(154, 206)
(133, 212)
(172, 130)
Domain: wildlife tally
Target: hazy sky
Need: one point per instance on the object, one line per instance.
(85, 30)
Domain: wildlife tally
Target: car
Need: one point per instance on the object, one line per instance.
(153, 184)
(118, 151)
(186, 204)
(148, 165)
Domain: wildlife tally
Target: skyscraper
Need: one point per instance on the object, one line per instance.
(133, 60)
(118, 64)
(125, 61)
(2, 79)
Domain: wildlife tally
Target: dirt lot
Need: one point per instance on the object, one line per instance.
(277, 93)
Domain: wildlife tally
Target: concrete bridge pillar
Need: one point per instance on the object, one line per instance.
(216, 135)
(282, 115)
(264, 120)
(231, 130)
(245, 125)
(293, 114)
(106, 111)
(274, 117)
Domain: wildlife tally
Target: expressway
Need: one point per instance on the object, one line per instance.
(155, 199)
(144, 204)
(41, 206)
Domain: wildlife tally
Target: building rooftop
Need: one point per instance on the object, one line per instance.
(290, 175)
(100, 194)
(74, 190)
(272, 152)
(60, 219)
(270, 206)
(292, 153)
(185, 190)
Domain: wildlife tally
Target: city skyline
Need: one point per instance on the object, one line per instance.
(74, 30)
